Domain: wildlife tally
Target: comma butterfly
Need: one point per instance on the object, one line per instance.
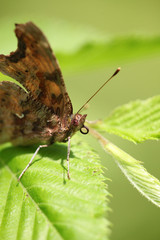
(44, 113)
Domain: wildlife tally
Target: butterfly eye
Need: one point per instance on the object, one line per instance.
(75, 122)
(84, 131)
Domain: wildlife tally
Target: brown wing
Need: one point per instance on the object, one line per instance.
(9, 105)
(34, 65)
(24, 121)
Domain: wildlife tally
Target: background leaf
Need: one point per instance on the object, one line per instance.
(96, 54)
(7, 78)
(136, 121)
(144, 182)
(45, 205)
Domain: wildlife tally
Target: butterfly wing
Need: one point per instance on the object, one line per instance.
(8, 100)
(34, 65)
(33, 117)
(24, 121)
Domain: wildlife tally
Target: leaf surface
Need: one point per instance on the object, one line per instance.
(136, 121)
(45, 204)
(139, 177)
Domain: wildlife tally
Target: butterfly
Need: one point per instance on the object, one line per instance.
(43, 113)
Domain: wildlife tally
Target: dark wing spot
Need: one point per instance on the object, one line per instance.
(55, 76)
(7, 94)
(59, 98)
(18, 73)
(54, 99)
(52, 110)
(58, 111)
(26, 112)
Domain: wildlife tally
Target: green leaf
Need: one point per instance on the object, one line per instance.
(7, 78)
(136, 121)
(45, 204)
(144, 182)
(98, 54)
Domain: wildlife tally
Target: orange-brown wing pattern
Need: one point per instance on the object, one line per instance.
(24, 121)
(34, 65)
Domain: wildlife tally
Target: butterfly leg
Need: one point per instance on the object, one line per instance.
(68, 153)
(30, 162)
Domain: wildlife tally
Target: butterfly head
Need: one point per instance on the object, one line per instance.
(77, 123)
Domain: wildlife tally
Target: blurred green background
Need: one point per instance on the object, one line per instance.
(91, 39)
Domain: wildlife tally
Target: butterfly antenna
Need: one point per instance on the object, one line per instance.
(114, 74)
